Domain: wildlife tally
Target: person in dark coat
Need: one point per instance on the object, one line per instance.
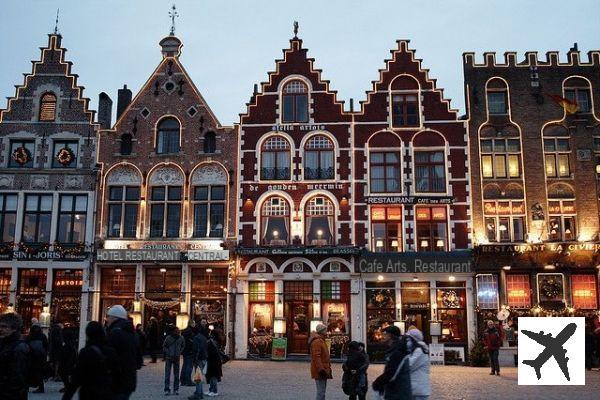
(14, 355)
(121, 337)
(67, 357)
(354, 379)
(38, 350)
(200, 357)
(154, 338)
(493, 341)
(394, 382)
(96, 365)
(188, 354)
(142, 340)
(214, 366)
(56, 342)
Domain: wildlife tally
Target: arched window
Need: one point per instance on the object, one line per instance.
(405, 102)
(561, 213)
(497, 97)
(275, 159)
(319, 158)
(165, 202)
(48, 107)
(577, 90)
(429, 163)
(167, 139)
(319, 221)
(126, 144)
(210, 142)
(295, 101)
(500, 158)
(275, 222)
(504, 213)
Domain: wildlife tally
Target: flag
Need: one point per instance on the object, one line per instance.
(569, 106)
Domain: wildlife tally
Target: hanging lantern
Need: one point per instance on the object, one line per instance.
(45, 317)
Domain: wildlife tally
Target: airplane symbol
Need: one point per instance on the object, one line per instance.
(553, 348)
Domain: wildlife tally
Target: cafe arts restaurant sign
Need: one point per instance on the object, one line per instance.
(416, 262)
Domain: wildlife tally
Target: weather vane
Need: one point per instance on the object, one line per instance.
(173, 14)
(56, 23)
(296, 25)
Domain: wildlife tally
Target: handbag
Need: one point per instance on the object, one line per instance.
(198, 376)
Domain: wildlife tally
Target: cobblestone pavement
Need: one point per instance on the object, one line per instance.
(270, 380)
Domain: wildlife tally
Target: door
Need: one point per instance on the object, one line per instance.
(298, 326)
(420, 319)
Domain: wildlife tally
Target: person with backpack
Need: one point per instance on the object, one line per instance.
(214, 365)
(354, 379)
(14, 354)
(200, 348)
(394, 382)
(188, 354)
(493, 341)
(419, 363)
(121, 337)
(95, 367)
(172, 349)
(38, 350)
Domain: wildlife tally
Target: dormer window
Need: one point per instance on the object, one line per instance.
(404, 99)
(167, 139)
(577, 90)
(295, 101)
(48, 107)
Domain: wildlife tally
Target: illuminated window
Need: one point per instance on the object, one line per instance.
(320, 221)
(275, 159)
(167, 138)
(295, 102)
(556, 155)
(37, 219)
(165, 211)
(561, 220)
(487, 291)
(48, 107)
(384, 171)
(405, 110)
(432, 228)
(386, 229)
(504, 220)
(72, 218)
(577, 90)
(275, 222)
(597, 154)
(319, 158)
(8, 217)
(123, 203)
(518, 291)
(209, 211)
(583, 290)
(500, 158)
(430, 172)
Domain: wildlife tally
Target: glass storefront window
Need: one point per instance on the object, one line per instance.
(66, 297)
(335, 313)
(451, 304)
(117, 286)
(518, 291)
(209, 296)
(31, 294)
(5, 281)
(583, 290)
(262, 313)
(487, 291)
(381, 313)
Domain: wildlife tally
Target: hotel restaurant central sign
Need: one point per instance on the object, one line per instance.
(453, 262)
(164, 255)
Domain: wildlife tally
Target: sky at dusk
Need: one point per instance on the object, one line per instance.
(231, 45)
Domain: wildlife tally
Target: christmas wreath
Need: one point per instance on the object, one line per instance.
(65, 156)
(551, 288)
(450, 299)
(21, 155)
(381, 298)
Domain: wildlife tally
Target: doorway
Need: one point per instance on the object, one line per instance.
(420, 319)
(298, 326)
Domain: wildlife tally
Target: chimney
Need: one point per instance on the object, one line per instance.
(574, 48)
(351, 105)
(123, 100)
(104, 111)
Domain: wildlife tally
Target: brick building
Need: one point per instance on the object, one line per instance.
(534, 175)
(47, 194)
(164, 210)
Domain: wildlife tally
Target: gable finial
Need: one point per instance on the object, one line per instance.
(56, 22)
(296, 25)
(173, 14)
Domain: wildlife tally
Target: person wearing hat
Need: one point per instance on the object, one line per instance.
(394, 382)
(418, 361)
(121, 337)
(320, 365)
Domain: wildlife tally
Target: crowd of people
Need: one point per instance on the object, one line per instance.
(106, 367)
(405, 375)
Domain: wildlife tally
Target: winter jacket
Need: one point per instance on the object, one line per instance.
(320, 365)
(394, 382)
(354, 379)
(188, 337)
(492, 339)
(200, 348)
(13, 368)
(121, 337)
(153, 336)
(173, 346)
(38, 354)
(418, 361)
(214, 365)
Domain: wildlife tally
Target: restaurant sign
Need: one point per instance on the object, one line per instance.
(296, 251)
(416, 262)
(138, 255)
(47, 255)
(208, 255)
(537, 247)
(409, 200)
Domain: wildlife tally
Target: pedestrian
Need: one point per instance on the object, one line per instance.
(394, 382)
(320, 365)
(419, 363)
(188, 354)
(154, 338)
(14, 354)
(142, 340)
(67, 357)
(172, 349)
(121, 337)
(38, 355)
(56, 342)
(493, 341)
(354, 379)
(200, 360)
(589, 345)
(214, 366)
(96, 365)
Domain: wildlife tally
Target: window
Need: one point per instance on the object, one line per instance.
(320, 222)
(295, 102)
(500, 158)
(577, 90)
(583, 290)
(597, 154)
(210, 143)
(65, 154)
(385, 172)
(37, 218)
(165, 211)
(209, 211)
(21, 153)
(405, 110)
(262, 291)
(72, 218)
(275, 222)
(556, 155)
(8, 217)
(497, 104)
(451, 304)
(430, 172)
(487, 291)
(518, 291)
(319, 158)
(48, 107)
(126, 144)
(275, 159)
(504, 220)
(432, 229)
(167, 140)
(123, 204)
(386, 229)
(561, 220)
